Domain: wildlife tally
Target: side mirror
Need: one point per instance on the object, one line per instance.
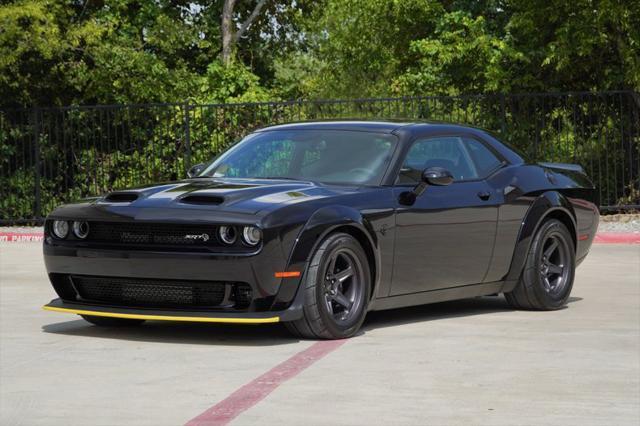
(436, 176)
(195, 170)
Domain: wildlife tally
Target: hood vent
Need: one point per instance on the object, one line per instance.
(121, 197)
(211, 200)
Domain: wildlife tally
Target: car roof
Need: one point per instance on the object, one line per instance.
(403, 128)
(382, 126)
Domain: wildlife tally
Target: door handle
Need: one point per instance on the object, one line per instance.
(484, 195)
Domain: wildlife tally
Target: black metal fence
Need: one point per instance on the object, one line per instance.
(52, 155)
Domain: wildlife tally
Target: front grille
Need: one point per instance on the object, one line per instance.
(154, 293)
(145, 234)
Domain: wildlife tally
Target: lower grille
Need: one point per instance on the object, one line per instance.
(154, 293)
(153, 234)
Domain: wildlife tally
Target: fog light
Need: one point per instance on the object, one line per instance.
(60, 228)
(251, 235)
(81, 229)
(227, 234)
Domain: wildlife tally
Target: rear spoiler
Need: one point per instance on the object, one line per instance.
(563, 166)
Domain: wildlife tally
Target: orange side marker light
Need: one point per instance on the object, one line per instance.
(289, 274)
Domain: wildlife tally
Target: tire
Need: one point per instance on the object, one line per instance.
(547, 279)
(111, 322)
(338, 277)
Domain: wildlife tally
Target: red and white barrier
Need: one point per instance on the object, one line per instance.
(21, 237)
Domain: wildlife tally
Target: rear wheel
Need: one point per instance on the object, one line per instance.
(547, 278)
(337, 288)
(111, 322)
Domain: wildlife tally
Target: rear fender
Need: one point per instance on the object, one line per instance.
(546, 204)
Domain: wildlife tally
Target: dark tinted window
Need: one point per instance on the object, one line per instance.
(330, 156)
(447, 152)
(484, 159)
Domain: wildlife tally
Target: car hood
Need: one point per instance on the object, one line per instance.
(248, 196)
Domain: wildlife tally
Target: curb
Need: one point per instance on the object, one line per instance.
(600, 238)
(617, 238)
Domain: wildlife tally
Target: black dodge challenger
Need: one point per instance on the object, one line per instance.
(315, 224)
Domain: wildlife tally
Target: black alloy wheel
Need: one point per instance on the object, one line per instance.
(337, 287)
(343, 283)
(547, 277)
(554, 268)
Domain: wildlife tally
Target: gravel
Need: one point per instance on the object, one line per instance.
(620, 223)
(21, 229)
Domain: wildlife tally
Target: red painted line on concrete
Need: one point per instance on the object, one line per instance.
(617, 238)
(21, 237)
(258, 389)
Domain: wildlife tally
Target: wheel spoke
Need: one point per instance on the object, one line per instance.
(344, 274)
(328, 298)
(555, 269)
(342, 300)
(552, 247)
(332, 264)
(547, 284)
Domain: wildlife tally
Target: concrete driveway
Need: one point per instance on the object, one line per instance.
(458, 363)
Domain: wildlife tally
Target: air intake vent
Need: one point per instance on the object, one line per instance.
(202, 199)
(121, 197)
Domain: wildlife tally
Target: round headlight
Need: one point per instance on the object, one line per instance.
(227, 234)
(251, 235)
(81, 229)
(60, 228)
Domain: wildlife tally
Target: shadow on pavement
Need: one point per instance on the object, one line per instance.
(274, 334)
(440, 311)
(181, 333)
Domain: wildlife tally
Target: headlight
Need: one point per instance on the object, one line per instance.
(251, 235)
(60, 228)
(227, 234)
(81, 229)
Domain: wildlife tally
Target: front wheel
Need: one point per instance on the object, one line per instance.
(111, 322)
(547, 278)
(337, 286)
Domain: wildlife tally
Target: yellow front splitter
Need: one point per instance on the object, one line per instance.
(163, 317)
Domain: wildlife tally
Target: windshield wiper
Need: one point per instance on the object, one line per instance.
(278, 177)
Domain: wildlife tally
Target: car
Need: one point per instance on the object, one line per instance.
(315, 224)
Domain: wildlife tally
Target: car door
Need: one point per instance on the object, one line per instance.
(445, 239)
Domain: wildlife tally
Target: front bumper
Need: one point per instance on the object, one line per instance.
(272, 297)
(292, 313)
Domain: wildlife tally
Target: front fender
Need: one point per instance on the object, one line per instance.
(547, 203)
(321, 223)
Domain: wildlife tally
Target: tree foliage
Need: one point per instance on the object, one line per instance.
(60, 52)
(83, 52)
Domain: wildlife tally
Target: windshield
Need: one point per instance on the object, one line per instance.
(328, 156)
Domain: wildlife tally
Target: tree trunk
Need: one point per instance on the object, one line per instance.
(227, 30)
(229, 36)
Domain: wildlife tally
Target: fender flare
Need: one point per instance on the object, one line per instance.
(325, 221)
(548, 203)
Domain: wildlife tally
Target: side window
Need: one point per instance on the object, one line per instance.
(484, 160)
(447, 152)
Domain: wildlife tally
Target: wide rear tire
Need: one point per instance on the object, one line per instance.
(336, 286)
(111, 322)
(547, 278)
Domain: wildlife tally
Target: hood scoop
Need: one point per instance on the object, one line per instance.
(121, 197)
(203, 199)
